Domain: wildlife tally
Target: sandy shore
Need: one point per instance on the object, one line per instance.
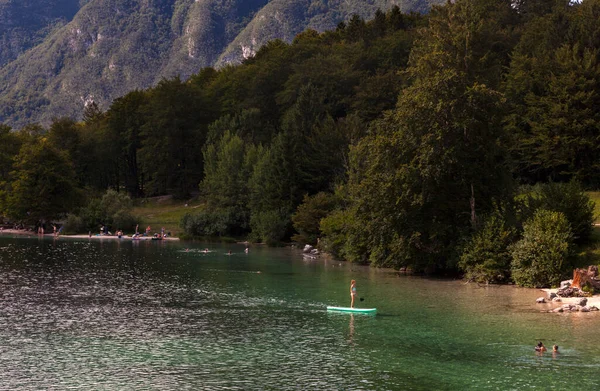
(103, 237)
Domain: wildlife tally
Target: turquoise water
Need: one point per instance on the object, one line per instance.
(108, 315)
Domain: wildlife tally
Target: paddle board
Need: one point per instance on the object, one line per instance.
(348, 309)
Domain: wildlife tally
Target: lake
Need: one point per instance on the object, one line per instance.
(123, 315)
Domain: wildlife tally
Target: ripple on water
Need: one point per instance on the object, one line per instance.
(107, 316)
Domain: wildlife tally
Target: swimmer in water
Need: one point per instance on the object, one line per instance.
(540, 347)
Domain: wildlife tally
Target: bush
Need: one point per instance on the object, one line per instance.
(567, 198)
(215, 222)
(123, 220)
(574, 203)
(334, 236)
(486, 257)
(308, 217)
(270, 226)
(542, 257)
(74, 224)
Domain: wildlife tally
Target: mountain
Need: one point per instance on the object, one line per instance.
(58, 55)
(25, 23)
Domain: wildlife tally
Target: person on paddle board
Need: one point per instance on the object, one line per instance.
(353, 293)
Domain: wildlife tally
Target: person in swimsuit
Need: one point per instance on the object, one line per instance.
(352, 292)
(540, 348)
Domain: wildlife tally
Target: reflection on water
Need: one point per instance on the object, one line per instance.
(145, 315)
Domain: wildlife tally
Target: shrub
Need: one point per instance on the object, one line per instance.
(308, 217)
(270, 226)
(334, 237)
(216, 222)
(542, 257)
(74, 224)
(567, 198)
(486, 257)
(123, 220)
(574, 203)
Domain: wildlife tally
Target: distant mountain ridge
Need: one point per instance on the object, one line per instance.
(57, 55)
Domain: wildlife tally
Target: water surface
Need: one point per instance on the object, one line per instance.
(110, 315)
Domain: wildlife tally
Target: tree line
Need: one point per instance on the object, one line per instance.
(436, 142)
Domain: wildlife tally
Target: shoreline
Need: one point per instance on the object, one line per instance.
(97, 236)
(591, 300)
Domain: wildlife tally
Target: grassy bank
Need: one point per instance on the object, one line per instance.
(595, 196)
(158, 212)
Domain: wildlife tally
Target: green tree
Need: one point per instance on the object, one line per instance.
(124, 123)
(10, 143)
(307, 218)
(428, 169)
(567, 198)
(42, 184)
(486, 257)
(543, 256)
(552, 89)
(174, 130)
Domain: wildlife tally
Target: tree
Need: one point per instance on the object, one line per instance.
(307, 219)
(124, 123)
(174, 130)
(427, 170)
(10, 143)
(486, 257)
(553, 86)
(42, 185)
(567, 198)
(543, 256)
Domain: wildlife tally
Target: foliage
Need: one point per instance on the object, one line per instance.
(116, 210)
(552, 86)
(421, 124)
(486, 257)
(426, 170)
(567, 198)
(56, 56)
(543, 256)
(227, 221)
(307, 218)
(42, 186)
(113, 210)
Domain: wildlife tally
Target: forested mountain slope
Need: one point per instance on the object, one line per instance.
(111, 47)
(25, 23)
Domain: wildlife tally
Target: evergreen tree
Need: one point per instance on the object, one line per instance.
(428, 169)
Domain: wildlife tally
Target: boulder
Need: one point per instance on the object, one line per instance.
(551, 295)
(556, 299)
(559, 309)
(565, 284)
(593, 308)
(540, 300)
(584, 309)
(308, 248)
(582, 302)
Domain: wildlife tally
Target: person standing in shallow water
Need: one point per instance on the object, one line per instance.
(352, 293)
